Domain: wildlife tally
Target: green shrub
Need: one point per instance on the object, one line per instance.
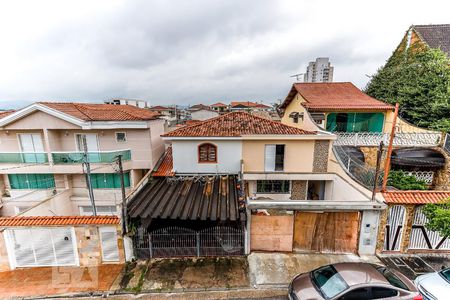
(403, 181)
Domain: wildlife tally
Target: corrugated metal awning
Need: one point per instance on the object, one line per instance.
(212, 198)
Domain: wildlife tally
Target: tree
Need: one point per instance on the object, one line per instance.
(438, 216)
(418, 78)
(403, 181)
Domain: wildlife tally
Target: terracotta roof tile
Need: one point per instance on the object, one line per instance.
(336, 96)
(58, 221)
(218, 104)
(248, 104)
(5, 113)
(436, 36)
(236, 124)
(166, 166)
(415, 197)
(102, 112)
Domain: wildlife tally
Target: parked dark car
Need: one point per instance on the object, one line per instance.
(352, 281)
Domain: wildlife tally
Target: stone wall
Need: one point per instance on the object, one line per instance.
(299, 190)
(89, 245)
(382, 230)
(442, 176)
(321, 152)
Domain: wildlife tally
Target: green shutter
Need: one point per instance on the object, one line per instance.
(31, 181)
(109, 180)
(331, 122)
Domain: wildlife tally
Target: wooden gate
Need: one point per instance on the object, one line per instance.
(423, 238)
(394, 228)
(335, 232)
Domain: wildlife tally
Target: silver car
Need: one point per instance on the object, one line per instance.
(434, 286)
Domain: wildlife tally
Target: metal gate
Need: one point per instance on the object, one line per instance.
(394, 228)
(423, 238)
(184, 242)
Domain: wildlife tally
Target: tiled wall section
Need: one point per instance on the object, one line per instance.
(321, 149)
(89, 245)
(299, 190)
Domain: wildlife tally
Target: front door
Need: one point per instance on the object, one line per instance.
(331, 232)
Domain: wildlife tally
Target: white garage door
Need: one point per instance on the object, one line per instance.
(31, 247)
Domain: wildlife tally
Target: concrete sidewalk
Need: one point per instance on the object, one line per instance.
(277, 269)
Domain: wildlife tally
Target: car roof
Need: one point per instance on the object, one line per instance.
(360, 273)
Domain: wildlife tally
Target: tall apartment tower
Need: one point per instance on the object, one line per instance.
(319, 71)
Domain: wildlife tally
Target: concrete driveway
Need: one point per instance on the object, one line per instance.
(277, 269)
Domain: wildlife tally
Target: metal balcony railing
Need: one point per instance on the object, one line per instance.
(24, 157)
(412, 139)
(77, 157)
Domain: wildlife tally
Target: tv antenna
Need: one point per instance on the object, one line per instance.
(298, 76)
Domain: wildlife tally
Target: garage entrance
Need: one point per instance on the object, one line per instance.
(335, 232)
(32, 247)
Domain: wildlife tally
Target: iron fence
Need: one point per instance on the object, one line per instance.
(178, 241)
(447, 143)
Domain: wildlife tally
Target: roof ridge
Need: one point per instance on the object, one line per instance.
(76, 106)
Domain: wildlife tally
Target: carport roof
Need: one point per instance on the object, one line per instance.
(207, 198)
(58, 221)
(415, 197)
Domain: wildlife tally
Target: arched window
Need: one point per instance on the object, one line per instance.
(207, 153)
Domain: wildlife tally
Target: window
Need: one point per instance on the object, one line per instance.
(102, 210)
(381, 292)
(274, 158)
(91, 142)
(356, 294)
(31, 181)
(316, 190)
(355, 122)
(329, 281)
(272, 186)
(207, 153)
(121, 137)
(109, 180)
(391, 277)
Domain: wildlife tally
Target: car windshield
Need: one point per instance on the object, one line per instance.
(445, 274)
(328, 280)
(391, 277)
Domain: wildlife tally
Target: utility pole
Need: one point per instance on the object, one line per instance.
(87, 171)
(377, 170)
(124, 200)
(387, 165)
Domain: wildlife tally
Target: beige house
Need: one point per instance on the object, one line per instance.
(42, 150)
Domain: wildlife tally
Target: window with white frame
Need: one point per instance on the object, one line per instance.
(121, 137)
(274, 158)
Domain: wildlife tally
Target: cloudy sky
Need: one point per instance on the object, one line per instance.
(187, 52)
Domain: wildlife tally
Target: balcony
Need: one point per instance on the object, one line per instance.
(427, 139)
(77, 157)
(24, 157)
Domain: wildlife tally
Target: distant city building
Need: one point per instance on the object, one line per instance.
(133, 102)
(202, 112)
(319, 71)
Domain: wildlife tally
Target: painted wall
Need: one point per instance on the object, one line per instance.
(203, 114)
(185, 157)
(298, 155)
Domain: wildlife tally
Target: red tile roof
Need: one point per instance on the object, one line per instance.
(58, 221)
(166, 166)
(415, 197)
(236, 124)
(218, 104)
(334, 96)
(248, 104)
(5, 113)
(159, 107)
(102, 112)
